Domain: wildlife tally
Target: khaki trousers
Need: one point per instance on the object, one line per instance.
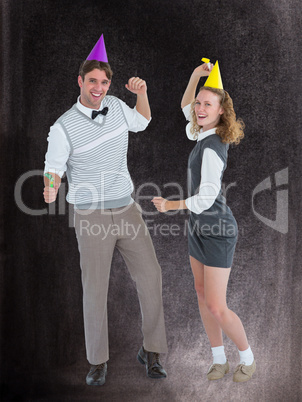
(98, 233)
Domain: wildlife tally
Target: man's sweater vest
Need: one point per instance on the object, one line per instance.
(97, 170)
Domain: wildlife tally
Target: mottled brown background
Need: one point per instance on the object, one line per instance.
(258, 44)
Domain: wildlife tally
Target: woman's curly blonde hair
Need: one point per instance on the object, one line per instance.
(229, 129)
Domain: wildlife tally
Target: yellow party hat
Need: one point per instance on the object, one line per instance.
(214, 79)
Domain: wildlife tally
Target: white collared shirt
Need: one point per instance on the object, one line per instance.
(58, 150)
(211, 169)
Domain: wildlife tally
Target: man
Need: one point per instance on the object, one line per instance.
(90, 143)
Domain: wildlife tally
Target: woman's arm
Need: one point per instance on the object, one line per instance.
(210, 185)
(163, 205)
(189, 95)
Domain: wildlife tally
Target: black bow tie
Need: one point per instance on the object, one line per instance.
(97, 112)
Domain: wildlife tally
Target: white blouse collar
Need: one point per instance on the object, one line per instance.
(203, 134)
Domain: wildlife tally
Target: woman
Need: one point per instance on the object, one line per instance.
(212, 228)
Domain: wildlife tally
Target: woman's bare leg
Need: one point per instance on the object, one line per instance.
(211, 325)
(215, 288)
(211, 287)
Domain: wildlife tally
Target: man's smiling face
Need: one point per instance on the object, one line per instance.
(93, 88)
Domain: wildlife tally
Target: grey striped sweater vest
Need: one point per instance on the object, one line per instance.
(97, 170)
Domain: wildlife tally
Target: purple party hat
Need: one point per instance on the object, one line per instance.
(99, 51)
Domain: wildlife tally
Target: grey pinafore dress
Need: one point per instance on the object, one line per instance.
(212, 235)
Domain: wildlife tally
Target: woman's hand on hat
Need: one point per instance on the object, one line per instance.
(203, 70)
(137, 86)
(160, 204)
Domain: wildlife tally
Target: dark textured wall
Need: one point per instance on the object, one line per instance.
(258, 45)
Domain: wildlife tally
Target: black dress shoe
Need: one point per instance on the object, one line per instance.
(97, 374)
(152, 363)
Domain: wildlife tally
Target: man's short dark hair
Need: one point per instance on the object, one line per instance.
(89, 65)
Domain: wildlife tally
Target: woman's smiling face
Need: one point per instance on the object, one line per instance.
(207, 109)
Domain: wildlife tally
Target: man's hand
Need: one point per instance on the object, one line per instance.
(50, 193)
(137, 86)
(203, 70)
(160, 204)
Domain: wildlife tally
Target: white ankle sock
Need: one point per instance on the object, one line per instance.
(246, 356)
(218, 355)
